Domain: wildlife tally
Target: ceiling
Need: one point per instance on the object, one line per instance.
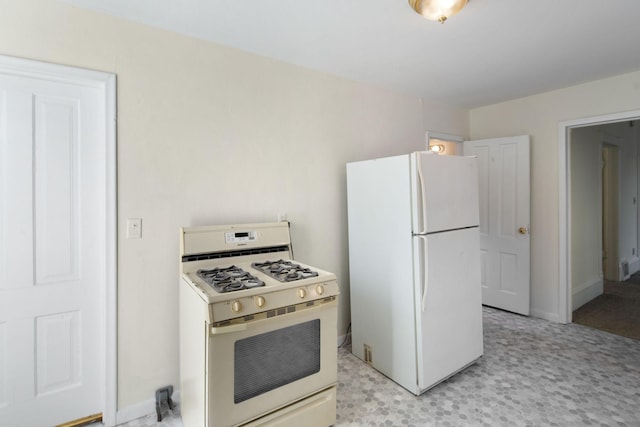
(492, 51)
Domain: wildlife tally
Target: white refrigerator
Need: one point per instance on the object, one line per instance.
(414, 265)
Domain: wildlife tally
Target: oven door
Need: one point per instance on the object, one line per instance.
(260, 366)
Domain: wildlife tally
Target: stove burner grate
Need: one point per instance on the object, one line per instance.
(284, 271)
(229, 279)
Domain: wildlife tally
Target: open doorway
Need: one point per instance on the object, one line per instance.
(602, 225)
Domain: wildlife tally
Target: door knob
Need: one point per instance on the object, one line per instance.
(522, 230)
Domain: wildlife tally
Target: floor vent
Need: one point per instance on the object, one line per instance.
(624, 265)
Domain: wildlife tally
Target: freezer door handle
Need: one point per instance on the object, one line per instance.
(420, 195)
(424, 269)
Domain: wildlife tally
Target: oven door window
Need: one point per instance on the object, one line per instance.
(267, 361)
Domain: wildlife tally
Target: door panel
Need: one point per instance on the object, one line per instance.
(503, 174)
(52, 184)
(56, 175)
(58, 358)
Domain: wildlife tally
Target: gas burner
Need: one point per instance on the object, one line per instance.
(284, 271)
(229, 279)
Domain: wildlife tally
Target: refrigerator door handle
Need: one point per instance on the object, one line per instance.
(424, 269)
(421, 199)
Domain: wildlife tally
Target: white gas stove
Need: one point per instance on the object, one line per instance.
(270, 345)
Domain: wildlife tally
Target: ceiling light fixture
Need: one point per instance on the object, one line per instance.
(437, 10)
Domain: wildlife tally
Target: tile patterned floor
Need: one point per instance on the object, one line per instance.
(533, 373)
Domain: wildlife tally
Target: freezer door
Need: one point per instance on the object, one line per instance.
(445, 192)
(448, 304)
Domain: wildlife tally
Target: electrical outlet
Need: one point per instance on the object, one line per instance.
(134, 228)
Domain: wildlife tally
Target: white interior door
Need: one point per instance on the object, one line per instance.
(53, 240)
(504, 184)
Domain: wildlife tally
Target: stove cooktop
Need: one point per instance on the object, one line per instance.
(229, 279)
(284, 270)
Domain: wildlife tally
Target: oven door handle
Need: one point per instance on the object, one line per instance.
(228, 329)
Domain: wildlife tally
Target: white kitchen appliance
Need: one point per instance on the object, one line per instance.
(414, 259)
(258, 331)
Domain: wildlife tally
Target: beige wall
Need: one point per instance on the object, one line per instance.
(205, 134)
(540, 116)
(209, 134)
(586, 213)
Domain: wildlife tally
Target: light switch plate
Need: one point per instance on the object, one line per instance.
(134, 228)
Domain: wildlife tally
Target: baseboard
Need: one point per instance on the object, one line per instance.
(545, 315)
(585, 292)
(634, 265)
(142, 409)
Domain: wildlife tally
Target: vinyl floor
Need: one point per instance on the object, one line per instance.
(533, 373)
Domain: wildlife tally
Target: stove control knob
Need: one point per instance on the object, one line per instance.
(320, 289)
(302, 293)
(260, 301)
(236, 306)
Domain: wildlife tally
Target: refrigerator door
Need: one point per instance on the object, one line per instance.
(445, 192)
(448, 304)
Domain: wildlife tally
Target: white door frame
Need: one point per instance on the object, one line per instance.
(105, 82)
(564, 205)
